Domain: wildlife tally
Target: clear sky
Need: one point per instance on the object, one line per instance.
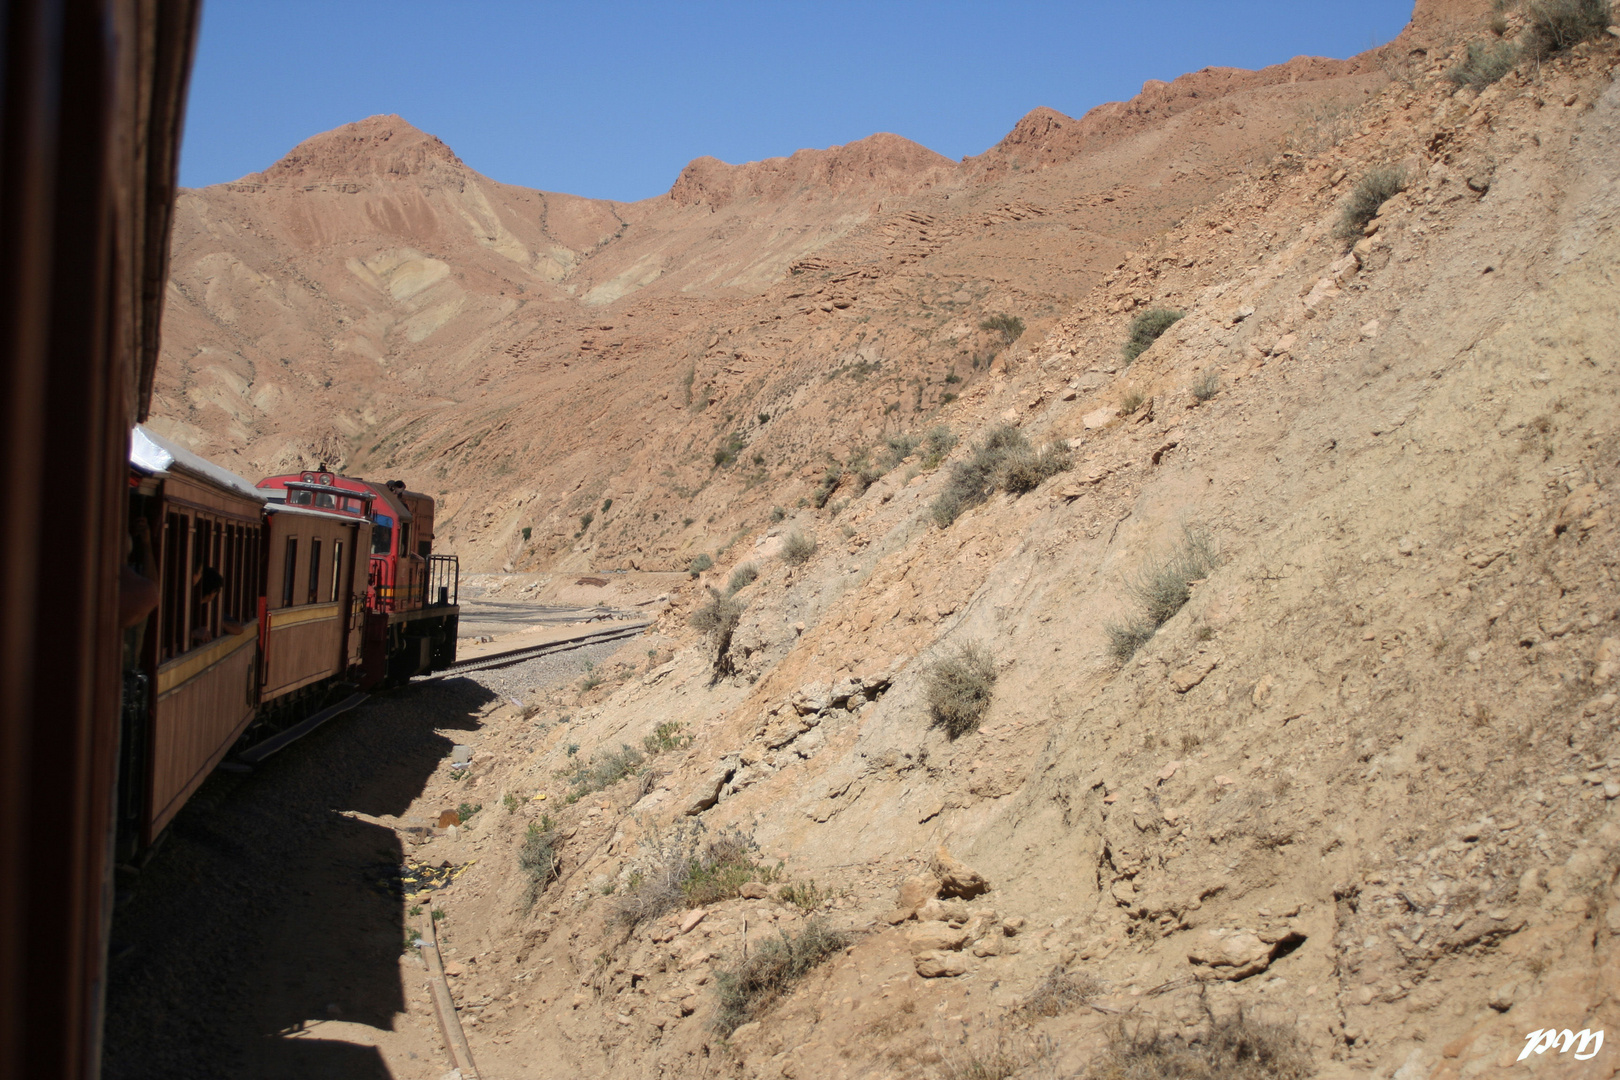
(611, 99)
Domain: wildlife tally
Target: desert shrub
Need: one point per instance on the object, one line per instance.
(1130, 403)
(1556, 25)
(722, 867)
(1147, 328)
(681, 869)
(937, 442)
(777, 514)
(466, 811)
(718, 619)
(604, 769)
(699, 564)
(537, 859)
(726, 453)
(1228, 1048)
(585, 521)
(1010, 327)
(1206, 385)
(1057, 993)
(1161, 590)
(1003, 460)
(1484, 63)
(798, 548)
(899, 447)
(742, 577)
(527, 530)
(1376, 187)
(959, 689)
(999, 1058)
(666, 737)
(748, 988)
(511, 802)
(1026, 469)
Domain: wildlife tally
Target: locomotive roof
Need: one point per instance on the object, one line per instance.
(275, 507)
(157, 456)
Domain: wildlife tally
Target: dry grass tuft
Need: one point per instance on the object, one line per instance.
(797, 548)
(1058, 993)
(1228, 1048)
(1484, 64)
(959, 689)
(1162, 590)
(1376, 187)
(718, 619)
(1556, 25)
(1004, 461)
(1147, 328)
(750, 987)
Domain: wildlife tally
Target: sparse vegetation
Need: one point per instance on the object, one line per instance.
(699, 564)
(1147, 328)
(683, 870)
(607, 504)
(511, 802)
(1162, 590)
(1556, 25)
(726, 453)
(1010, 327)
(899, 447)
(806, 896)
(959, 689)
(1485, 63)
(829, 483)
(1130, 403)
(1229, 1048)
(718, 619)
(742, 577)
(1057, 993)
(585, 520)
(537, 859)
(797, 548)
(938, 442)
(466, 811)
(593, 678)
(604, 769)
(526, 531)
(1207, 385)
(1003, 460)
(686, 385)
(1376, 187)
(666, 737)
(1000, 1058)
(750, 987)
(777, 514)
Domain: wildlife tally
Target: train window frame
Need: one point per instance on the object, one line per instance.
(175, 556)
(314, 570)
(289, 572)
(337, 569)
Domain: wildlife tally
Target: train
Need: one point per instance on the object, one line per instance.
(276, 601)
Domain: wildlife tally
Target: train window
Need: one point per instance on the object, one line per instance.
(382, 536)
(405, 538)
(299, 498)
(201, 611)
(289, 572)
(314, 571)
(337, 568)
(424, 548)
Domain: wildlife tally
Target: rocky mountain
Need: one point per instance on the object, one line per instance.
(1241, 701)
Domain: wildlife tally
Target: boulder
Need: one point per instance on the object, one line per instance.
(917, 890)
(935, 937)
(956, 878)
(936, 965)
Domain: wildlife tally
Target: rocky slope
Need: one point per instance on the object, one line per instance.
(1362, 785)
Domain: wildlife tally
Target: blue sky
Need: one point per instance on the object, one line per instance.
(611, 99)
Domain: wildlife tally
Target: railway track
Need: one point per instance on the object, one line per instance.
(518, 656)
(246, 759)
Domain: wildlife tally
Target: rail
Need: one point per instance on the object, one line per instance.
(518, 656)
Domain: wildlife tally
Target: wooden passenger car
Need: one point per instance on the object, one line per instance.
(200, 658)
(314, 597)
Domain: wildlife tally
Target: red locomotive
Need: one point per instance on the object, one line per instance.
(276, 600)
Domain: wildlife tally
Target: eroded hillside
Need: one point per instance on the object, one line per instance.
(1356, 781)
